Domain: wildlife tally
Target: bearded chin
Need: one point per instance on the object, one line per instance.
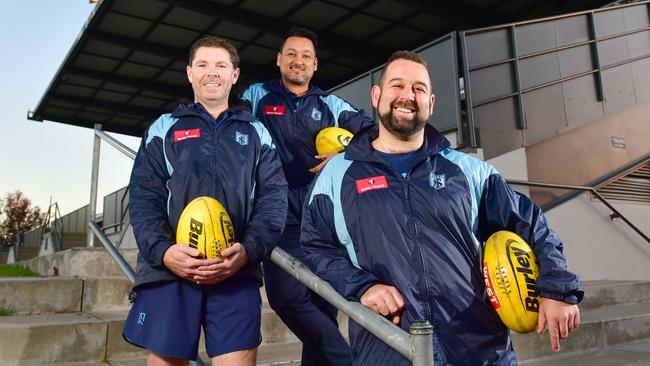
(402, 129)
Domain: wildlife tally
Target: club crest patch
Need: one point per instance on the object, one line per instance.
(437, 181)
(316, 114)
(241, 138)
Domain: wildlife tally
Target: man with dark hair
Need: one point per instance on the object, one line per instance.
(294, 111)
(397, 223)
(204, 148)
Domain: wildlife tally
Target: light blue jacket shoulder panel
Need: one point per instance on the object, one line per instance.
(477, 173)
(329, 183)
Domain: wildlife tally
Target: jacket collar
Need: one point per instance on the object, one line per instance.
(236, 111)
(360, 148)
(278, 87)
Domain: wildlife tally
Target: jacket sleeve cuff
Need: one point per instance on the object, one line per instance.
(159, 252)
(574, 297)
(252, 250)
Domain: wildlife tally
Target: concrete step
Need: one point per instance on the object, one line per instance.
(36, 295)
(278, 354)
(603, 293)
(42, 339)
(82, 262)
(601, 328)
(627, 354)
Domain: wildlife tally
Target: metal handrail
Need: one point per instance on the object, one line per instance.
(115, 143)
(615, 213)
(416, 347)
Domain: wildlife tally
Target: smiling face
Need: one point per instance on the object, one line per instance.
(212, 75)
(404, 99)
(297, 61)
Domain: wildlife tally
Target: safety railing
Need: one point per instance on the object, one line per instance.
(614, 214)
(416, 346)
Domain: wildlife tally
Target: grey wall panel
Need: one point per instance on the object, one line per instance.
(575, 60)
(619, 88)
(496, 127)
(609, 23)
(535, 37)
(441, 59)
(612, 51)
(581, 102)
(572, 30)
(484, 48)
(639, 44)
(544, 113)
(538, 70)
(357, 93)
(641, 78)
(492, 82)
(110, 210)
(636, 17)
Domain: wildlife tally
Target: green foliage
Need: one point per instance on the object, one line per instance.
(6, 312)
(16, 211)
(11, 270)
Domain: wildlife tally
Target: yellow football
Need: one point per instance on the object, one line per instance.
(205, 225)
(332, 139)
(510, 274)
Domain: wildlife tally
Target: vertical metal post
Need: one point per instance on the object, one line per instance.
(521, 118)
(92, 206)
(422, 343)
(16, 256)
(467, 135)
(595, 58)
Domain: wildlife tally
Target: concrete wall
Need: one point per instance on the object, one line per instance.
(598, 248)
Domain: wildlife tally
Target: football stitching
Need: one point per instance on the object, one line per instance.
(502, 279)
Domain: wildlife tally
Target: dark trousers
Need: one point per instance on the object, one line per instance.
(310, 318)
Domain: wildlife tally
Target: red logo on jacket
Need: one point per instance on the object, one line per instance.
(370, 184)
(274, 110)
(187, 134)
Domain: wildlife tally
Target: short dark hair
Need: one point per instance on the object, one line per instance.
(404, 55)
(303, 33)
(217, 42)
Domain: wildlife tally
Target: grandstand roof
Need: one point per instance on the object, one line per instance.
(128, 64)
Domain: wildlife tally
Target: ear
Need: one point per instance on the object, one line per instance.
(315, 63)
(235, 75)
(433, 101)
(277, 59)
(188, 69)
(375, 92)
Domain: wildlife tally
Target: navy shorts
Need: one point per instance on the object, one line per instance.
(166, 318)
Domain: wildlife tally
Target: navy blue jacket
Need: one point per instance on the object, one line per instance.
(187, 154)
(294, 123)
(364, 224)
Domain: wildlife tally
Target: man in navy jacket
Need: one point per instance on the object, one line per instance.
(397, 221)
(294, 111)
(204, 148)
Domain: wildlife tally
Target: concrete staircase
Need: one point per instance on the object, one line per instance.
(76, 318)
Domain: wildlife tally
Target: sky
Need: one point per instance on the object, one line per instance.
(47, 160)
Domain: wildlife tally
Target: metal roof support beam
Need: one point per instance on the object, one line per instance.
(154, 86)
(327, 41)
(110, 107)
(174, 53)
